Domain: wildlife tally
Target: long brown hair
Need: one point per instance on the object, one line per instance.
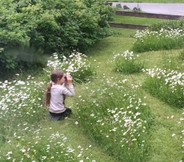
(55, 75)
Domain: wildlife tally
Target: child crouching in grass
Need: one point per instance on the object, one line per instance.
(59, 87)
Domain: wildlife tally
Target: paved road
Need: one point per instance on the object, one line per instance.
(157, 8)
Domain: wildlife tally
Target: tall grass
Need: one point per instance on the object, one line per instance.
(40, 148)
(76, 65)
(171, 24)
(116, 116)
(22, 110)
(167, 85)
(162, 40)
(127, 63)
(21, 102)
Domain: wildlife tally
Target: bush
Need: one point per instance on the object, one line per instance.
(51, 26)
(7, 61)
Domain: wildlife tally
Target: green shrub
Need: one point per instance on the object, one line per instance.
(51, 26)
(8, 62)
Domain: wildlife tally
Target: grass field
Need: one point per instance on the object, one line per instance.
(165, 135)
(163, 146)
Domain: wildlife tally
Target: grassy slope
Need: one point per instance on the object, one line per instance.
(164, 147)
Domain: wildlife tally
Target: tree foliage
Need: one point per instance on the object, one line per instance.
(33, 27)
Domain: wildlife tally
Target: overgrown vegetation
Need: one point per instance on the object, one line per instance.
(168, 25)
(167, 85)
(26, 100)
(115, 115)
(164, 39)
(76, 65)
(127, 63)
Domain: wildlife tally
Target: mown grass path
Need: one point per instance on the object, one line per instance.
(165, 136)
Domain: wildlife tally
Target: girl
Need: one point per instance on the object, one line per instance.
(56, 92)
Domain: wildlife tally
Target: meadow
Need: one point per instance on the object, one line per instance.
(128, 104)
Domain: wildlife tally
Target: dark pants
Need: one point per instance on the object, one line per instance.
(59, 116)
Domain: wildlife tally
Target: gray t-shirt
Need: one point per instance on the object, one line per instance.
(57, 97)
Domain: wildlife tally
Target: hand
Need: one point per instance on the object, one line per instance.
(69, 79)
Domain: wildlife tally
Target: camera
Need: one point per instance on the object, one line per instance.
(65, 78)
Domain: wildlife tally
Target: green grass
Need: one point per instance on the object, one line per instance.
(163, 146)
(76, 137)
(137, 20)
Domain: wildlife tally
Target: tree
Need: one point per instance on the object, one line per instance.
(33, 27)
